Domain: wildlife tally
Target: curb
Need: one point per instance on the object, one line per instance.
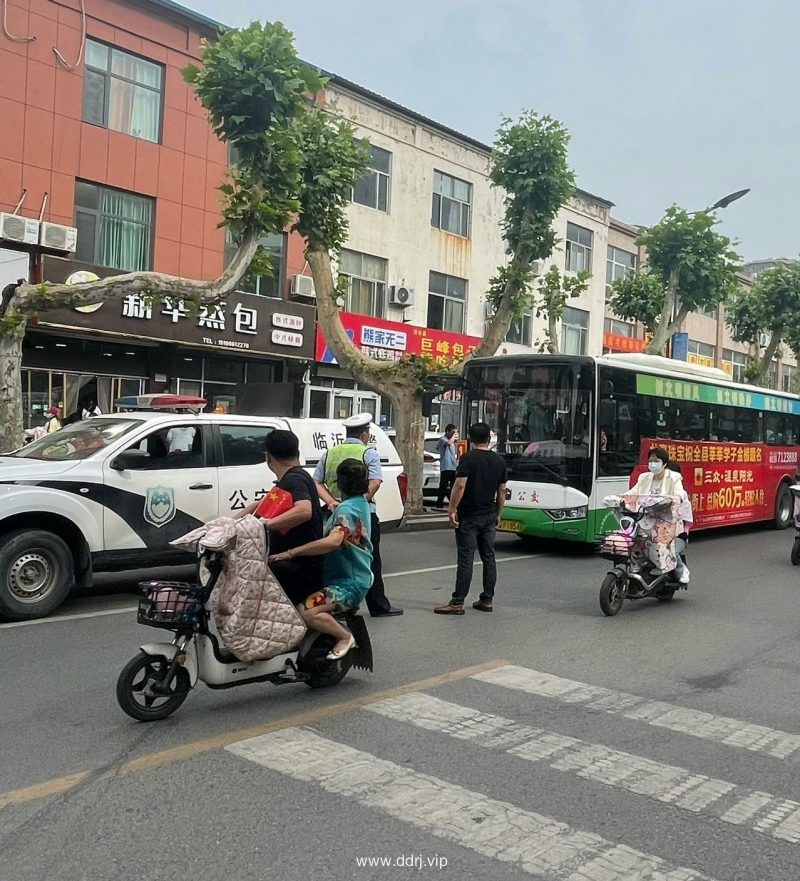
(423, 522)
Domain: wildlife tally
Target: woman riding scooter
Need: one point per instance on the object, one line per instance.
(663, 478)
(347, 570)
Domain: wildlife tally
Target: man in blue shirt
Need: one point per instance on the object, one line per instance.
(447, 447)
(356, 446)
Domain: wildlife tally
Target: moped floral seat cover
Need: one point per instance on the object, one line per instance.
(659, 527)
(253, 615)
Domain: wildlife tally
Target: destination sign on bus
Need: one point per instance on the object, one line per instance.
(677, 389)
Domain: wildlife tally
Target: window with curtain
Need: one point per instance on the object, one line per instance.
(452, 200)
(365, 277)
(578, 248)
(574, 331)
(115, 228)
(447, 298)
(372, 188)
(122, 92)
(263, 285)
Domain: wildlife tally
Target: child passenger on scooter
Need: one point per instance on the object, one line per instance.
(347, 570)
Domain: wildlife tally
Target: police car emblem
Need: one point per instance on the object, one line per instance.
(159, 505)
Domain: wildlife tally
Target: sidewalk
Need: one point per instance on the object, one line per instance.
(432, 518)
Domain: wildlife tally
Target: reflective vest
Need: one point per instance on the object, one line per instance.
(336, 455)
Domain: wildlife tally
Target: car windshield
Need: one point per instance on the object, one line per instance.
(78, 441)
(432, 445)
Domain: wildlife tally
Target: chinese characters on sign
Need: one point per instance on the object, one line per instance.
(390, 340)
(241, 319)
(617, 342)
(728, 483)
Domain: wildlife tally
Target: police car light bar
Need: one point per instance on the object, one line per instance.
(161, 402)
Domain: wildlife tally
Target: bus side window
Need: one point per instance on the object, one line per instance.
(780, 429)
(617, 437)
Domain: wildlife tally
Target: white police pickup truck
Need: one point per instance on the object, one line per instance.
(109, 493)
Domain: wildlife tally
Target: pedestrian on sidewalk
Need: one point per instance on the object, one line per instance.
(447, 448)
(476, 504)
(356, 446)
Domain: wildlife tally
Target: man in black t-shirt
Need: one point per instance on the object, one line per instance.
(476, 502)
(301, 524)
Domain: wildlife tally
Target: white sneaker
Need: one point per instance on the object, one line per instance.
(684, 576)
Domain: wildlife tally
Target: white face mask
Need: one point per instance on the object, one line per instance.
(656, 466)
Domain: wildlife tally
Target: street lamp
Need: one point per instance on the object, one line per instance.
(723, 202)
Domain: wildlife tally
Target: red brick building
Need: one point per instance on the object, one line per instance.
(102, 135)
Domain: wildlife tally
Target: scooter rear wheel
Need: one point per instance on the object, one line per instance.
(612, 594)
(137, 678)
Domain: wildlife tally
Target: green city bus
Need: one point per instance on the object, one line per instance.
(574, 429)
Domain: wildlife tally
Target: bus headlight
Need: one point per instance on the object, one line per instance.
(579, 513)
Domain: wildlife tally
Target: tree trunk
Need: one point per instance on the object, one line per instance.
(766, 359)
(11, 430)
(665, 322)
(552, 333)
(410, 424)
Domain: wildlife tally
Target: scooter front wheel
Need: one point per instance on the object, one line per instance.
(135, 688)
(612, 594)
(796, 552)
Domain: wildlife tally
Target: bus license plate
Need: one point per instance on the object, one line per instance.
(510, 526)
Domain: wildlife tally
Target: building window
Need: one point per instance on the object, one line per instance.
(521, 329)
(264, 285)
(789, 378)
(122, 92)
(578, 248)
(619, 328)
(447, 298)
(619, 263)
(372, 188)
(451, 204)
(574, 330)
(366, 282)
(734, 364)
(702, 353)
(115, 228)
(771, 377)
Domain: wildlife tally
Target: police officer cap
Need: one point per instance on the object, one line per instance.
(360, 420)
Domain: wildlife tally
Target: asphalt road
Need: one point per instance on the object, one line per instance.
(543, 740)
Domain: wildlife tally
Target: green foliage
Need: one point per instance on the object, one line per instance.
(332, 161)
(555, 289)
(638, 296)
(704, 261)
(252, 83)
(261, 266)
(529, 162)
(514, 281)
(771, 306)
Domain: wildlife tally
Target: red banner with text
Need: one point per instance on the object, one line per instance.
(727, 482)
(390, 340)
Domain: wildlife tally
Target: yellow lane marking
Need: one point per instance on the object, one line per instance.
(59, 785)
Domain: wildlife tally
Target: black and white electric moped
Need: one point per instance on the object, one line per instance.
(155, 683)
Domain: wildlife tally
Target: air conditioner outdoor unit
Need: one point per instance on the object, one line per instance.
(58, 237)
(763, 340)
(401, 296)
(303, 286)
(14, 228)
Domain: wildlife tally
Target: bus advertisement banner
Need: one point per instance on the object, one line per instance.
(728, 482)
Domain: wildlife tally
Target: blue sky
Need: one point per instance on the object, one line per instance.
(680, 101)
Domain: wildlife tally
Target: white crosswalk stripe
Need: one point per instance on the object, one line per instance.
(539, 845)
(718, 729)
(531, 842)
(670, 784)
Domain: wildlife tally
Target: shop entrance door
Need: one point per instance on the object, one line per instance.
(335, 403)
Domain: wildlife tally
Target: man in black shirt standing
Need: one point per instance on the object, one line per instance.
(476, 502)
(301, 524)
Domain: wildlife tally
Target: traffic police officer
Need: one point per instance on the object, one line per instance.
(356, 446)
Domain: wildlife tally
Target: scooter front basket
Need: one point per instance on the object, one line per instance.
(172, 605)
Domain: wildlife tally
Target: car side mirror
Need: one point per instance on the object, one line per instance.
(129, 460)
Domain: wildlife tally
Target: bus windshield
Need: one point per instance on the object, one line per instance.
(542, 415)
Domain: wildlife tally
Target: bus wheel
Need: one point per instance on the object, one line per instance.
(784, 507)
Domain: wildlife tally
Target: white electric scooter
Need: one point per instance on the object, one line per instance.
(156, 682)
